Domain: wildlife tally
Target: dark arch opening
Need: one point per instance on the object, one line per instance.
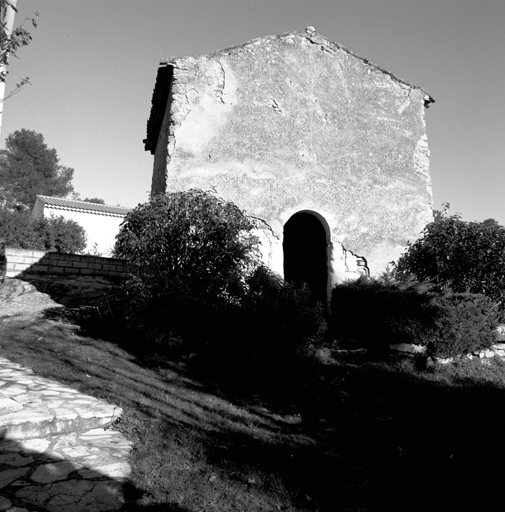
(305, 259)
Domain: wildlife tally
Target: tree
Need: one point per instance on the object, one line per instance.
(10, 41)
(462, 256)
(45, 234)
(95, 200)
(28, 167)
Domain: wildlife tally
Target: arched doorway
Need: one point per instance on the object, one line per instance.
(305, 254)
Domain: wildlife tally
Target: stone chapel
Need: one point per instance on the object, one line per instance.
(326, 149)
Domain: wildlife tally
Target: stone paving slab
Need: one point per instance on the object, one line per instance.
(81, 471)
(32, 406)
(59, 450)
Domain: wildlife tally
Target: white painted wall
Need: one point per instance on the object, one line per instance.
(100, 229)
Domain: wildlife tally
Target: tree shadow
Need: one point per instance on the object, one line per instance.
(337, 437)
(34, 475)
(368, 437)
(72, 291)
(379, 439)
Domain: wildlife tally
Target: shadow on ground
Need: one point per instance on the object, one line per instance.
(72, 290)
(33, 479)
(367, 437)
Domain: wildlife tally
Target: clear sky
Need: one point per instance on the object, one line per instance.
(92, 65)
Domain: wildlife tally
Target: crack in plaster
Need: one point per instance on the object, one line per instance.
(275, 106)
(264, 224)
(221, 91)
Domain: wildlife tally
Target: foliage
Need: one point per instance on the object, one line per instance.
(278, 317)
(28, 167)
(194, 270)
(380, 312)
(95, 200)
(191, 238)
(462, 256)
(447, 323)
(11, 43)
(464, 323)
(186, 252)
(46, 234)
(63, 235)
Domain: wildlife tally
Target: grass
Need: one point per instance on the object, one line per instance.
(380, 435)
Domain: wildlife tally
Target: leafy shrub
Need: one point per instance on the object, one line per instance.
(464, 323)
(278, 317)
(193, 270)
(458, 255)
(61, 234)
(45, 234)
(378, 314)
(191, 238)
(187, 252)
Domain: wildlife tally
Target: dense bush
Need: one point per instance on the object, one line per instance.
(458, 255)
(45, 234)
(463, 323)
(378, 314)
(186, 253)
(192, 238)
(279, 317)
(194, 270)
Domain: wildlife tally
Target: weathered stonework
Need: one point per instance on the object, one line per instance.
(292, 123)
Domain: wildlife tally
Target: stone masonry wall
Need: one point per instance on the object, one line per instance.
(296, 123)
(22, 261)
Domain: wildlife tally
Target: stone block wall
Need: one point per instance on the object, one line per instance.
(23, 261)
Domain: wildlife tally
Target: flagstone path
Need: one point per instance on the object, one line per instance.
(59, 449)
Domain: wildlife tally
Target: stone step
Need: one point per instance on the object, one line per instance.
(59, 450)
(75, 414)
(32, 406)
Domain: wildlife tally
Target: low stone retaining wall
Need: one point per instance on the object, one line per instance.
(330, 356)
(497, 350)
(22, 262)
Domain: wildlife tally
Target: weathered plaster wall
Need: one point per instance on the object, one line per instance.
(294, 122)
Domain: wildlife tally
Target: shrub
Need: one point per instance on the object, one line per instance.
(194, 270)
(464, 323)
(60, 234)
(278, 317)
(458, 255)
(45, 234)
(187, 252)
(188, 237)
(378, 314)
